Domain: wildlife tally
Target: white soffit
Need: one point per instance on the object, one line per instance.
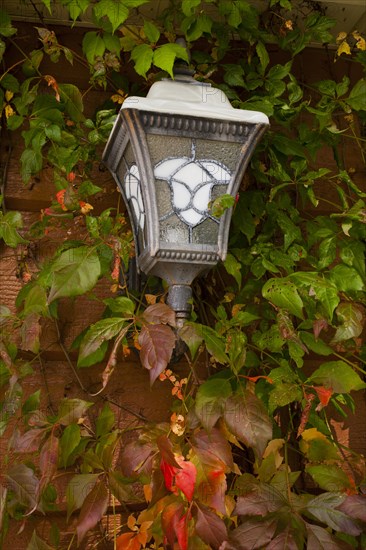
(349, 14)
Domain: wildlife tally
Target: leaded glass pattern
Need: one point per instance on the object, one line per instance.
(191, 183)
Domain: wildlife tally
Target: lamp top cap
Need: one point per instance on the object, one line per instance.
(188, 97)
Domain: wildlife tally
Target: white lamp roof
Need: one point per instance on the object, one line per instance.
(188, 97)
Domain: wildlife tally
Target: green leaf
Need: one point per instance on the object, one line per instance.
(5, 24)
(72, 98)
(221, 204)
(214, 343)
(37, 544)
(234, 75)
(351, 316)
(151, 31)
(165, 55)
(338, 376)
(142, 55)
(70, 439)
(8, 229)
(357, 96)
(105, 421)
(288, 146)
(74, 272)
(263, 56)
(329, 477)
(188, 6)
(283, 293)
(77, 8)
(121, 304)
(316, 345)
(210, 401)
(346, 278)
(102, 330)
(233, 267)
(191, 337)
(31, 164)
(93, 46)
(247, 419)
(283, 394)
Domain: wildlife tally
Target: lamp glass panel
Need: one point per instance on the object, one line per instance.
(130, 186)
(195, 172)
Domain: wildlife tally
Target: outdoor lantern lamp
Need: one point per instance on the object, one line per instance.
(172, 154)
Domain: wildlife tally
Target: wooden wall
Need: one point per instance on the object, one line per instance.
(129, 387)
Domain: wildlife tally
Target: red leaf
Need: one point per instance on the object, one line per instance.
(175, 525)
(169, 474)
(185, 478)
(182, 532)
(92, 510)
(210, 528)
(157, 343)
(324, 394)
(159, 313)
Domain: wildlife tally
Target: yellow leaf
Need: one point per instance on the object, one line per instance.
(8, 95)
(341, 36)
(9, 111)
(344, 48)
(274, 447)
(312, 433)
(360, 41)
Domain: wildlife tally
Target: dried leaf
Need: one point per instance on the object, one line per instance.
(48, 460)
(92, 510)
(213, 450)
(24, 483)
(212, 490)
(210, 527)
(252, 535)
(263, 499)
(159, 313)
(320, 539)
(157, 343)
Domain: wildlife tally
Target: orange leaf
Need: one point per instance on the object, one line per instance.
(128, 541)
(324, 394)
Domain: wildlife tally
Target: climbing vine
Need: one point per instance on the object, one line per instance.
(275, 343)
